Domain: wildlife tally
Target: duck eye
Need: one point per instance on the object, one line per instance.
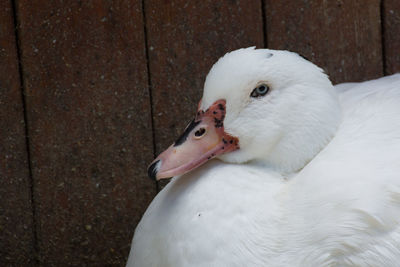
(260, 90)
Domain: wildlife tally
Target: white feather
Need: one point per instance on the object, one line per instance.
(316, 181)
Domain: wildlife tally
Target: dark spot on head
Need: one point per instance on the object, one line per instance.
(218, 123)
(223, 140)
(231, 141)
(223, 147)
(214, 112)
(221, 107)
(304, 57)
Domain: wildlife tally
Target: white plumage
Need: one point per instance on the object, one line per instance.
(316, 181)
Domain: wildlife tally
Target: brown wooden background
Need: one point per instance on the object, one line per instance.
(90, 91)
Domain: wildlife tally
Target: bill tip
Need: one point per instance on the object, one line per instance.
(153, 169)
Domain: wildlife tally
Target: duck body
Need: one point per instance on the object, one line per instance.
(342, 208)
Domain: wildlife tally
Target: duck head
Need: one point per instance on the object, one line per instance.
(259, 106)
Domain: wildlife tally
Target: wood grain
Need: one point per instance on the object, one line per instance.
(89, 109)
(89, 119)
(16, 221)
(391, 30)
(343, 37)
(185, 40)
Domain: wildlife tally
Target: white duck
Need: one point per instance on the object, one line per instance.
(308, 173)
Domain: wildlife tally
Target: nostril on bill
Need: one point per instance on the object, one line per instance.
(200, 132)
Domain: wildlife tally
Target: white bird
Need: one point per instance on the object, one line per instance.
(306, 173)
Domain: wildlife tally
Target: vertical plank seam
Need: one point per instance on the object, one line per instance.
(27, 141)
(264, 18)
(383, 32)
(149, 83)
(264, 23)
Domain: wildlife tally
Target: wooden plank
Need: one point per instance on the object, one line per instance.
(89, 119)
(391, 24)
(185, 40)
(16, 220)
(343, 37)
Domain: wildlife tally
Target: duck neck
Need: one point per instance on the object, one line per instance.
(306, 137)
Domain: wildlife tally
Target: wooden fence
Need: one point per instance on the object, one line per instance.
(91, 90)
